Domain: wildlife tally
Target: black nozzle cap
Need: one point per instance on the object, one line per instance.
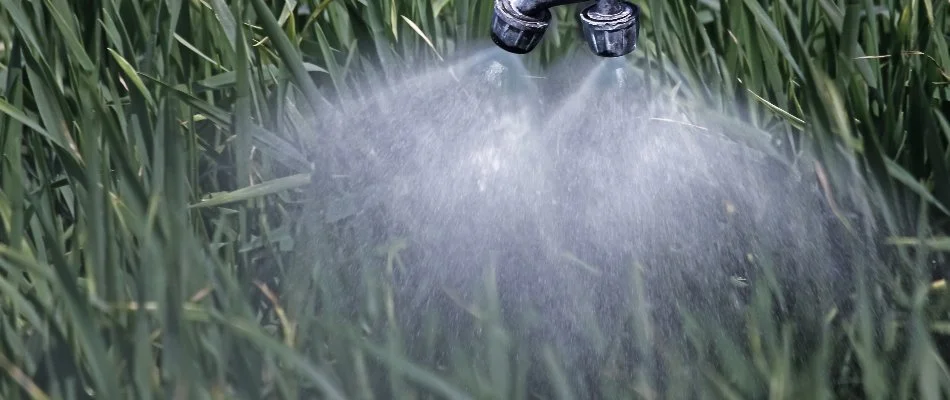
(612, 34)
(515, 31)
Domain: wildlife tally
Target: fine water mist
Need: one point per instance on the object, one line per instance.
(590, 199)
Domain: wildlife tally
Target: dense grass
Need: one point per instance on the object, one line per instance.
(152, 175)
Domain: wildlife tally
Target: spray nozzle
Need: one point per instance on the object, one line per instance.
(610, 27)
(515, 30)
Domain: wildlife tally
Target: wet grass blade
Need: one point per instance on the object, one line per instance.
(255, 191)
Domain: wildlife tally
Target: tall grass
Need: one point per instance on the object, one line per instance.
(152, 177)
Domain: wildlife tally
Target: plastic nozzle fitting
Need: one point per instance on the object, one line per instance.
(613, 31)
(515, 31)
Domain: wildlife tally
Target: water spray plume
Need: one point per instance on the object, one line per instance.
(610, 27)
(568, 190)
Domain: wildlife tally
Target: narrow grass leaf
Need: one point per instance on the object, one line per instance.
(421, 34)
(252, 332)
(133, 75)
(254, 191)
(417, 374)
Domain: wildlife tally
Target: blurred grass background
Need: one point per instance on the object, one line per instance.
(152, 178)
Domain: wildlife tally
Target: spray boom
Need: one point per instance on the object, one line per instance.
(610, 27)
